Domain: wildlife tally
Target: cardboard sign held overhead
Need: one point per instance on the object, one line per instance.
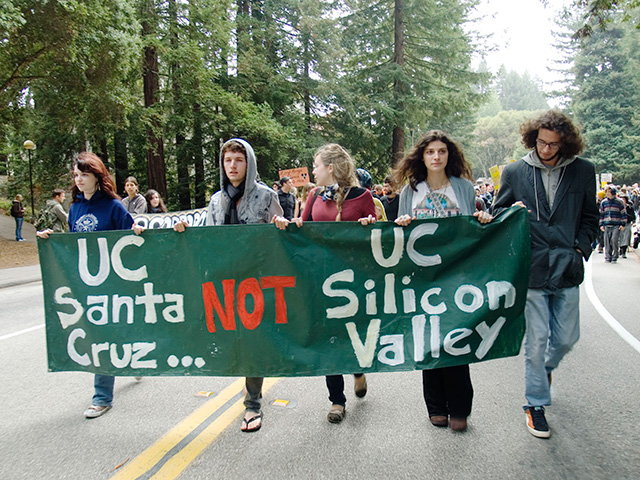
(300, 176)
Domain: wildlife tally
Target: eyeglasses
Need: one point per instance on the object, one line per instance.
(552, 146)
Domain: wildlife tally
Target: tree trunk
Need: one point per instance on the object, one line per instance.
(243, 32)
(121, 163)
(103, 153)
(198, 158)
(306, 58)
(156, 167)
(182, 153)
(397, 145)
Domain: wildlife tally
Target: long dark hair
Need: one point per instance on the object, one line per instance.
(150, 193)
(90, 163)
(413, 169)
(556, 121)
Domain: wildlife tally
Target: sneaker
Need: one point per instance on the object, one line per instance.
(336, 414)
(95, 411)
(536, 423)
(360, 386)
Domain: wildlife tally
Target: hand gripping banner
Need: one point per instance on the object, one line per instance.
(251, 300)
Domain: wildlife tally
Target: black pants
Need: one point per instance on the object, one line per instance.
(448, 391)
(335, 384)
(600, 240)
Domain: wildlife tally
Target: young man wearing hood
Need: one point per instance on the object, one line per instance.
(558, 189)
(238, 174)
(242, 200)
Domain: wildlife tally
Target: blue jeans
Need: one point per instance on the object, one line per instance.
(103, 395)
(19, 221)
(553, 327)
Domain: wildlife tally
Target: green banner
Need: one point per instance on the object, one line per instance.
(251, 300)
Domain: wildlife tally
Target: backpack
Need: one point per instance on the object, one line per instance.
(46, 218)
(16, 209)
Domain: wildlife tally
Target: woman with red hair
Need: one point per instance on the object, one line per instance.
(96, 207)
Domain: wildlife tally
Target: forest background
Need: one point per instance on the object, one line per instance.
(155, 86)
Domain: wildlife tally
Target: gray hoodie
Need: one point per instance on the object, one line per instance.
(551, 176)
(259, 203)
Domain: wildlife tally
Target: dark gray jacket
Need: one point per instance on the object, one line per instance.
(555, 232)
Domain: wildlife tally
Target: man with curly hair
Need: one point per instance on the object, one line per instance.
(558, 189)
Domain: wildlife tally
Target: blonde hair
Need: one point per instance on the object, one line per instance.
(306, 189)
(344, 171)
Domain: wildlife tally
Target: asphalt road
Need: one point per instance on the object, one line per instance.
(158, 428)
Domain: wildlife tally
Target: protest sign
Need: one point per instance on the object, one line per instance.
(299, 176)
(194, 218)
(251, 300)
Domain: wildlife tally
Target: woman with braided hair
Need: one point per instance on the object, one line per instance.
(338, 197)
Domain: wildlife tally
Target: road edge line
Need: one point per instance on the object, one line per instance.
(26, 330)
(604, 313)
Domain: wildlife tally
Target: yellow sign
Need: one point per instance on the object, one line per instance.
(495, 176)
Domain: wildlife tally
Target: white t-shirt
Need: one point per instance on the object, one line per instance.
(434, 204)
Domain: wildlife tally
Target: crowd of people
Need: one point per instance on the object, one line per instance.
(55, 218)
(618, 214)
(433, 180)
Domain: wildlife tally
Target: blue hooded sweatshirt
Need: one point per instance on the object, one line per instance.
(98, 214)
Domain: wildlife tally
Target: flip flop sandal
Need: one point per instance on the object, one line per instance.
(246, 422)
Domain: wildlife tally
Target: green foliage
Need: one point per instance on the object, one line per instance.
(64, 68)
(602, 13)
(287, 75)
(376, 92)
(608, 61)
(511, 99)
(519, 92)
(497, 140)
(5, 206)
(491, 107)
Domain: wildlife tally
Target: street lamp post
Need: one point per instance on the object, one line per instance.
(29, 145)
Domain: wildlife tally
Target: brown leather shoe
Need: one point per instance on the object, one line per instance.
(360, 386)
(458, 424)
(336, 414)
(439, 420)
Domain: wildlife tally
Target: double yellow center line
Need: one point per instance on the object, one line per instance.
(170, 455)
